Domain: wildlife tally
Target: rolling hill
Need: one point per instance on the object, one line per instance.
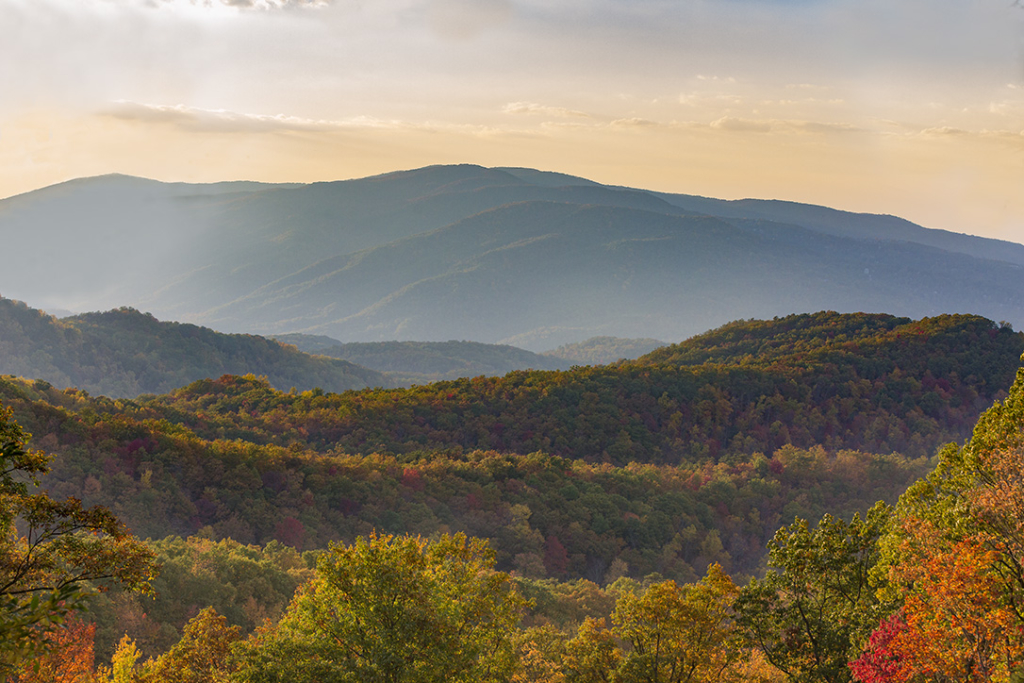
(667, 463)
(124, 353)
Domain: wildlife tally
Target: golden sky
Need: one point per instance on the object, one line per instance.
(907, 107)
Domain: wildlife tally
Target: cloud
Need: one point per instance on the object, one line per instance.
(223, 121)
(243, 4)
(733, 124)
(635, 122)
(740, 125)
(944, 131)
(818, 127)
(543, 110)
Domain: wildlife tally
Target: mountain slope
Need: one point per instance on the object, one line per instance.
(126, 353)
(510, 255)
(408, 363)
(907, 389)
(421, 362)
(603, 350)
(663, 464)
(493, 277)
(848, 224)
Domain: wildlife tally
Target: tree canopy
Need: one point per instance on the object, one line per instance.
(52, 553)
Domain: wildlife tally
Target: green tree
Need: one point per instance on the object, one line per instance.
(52, 553)
(592, 656)
(813, 611)
(677, 633)
(394, 609)
(201, 656)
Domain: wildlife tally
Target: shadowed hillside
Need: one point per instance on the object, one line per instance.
(507, 256)
(127, 353)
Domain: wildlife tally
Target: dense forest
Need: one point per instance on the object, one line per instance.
(126, 353)
(907, 388)
(595, 524)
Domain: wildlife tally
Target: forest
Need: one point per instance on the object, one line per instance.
(595, 524)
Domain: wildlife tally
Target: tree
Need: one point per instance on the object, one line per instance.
(123, 663)
(811, 613)
(954, 624)
(592, 656)
(394, 609)
(954, 562)
(540, 652)
(52, 553)
(677, 633)
(69, 659)
(201, 656)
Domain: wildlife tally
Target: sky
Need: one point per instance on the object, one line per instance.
(906, 107)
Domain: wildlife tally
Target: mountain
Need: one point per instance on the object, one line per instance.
(604, 350)
(124, 353)
(848, 224)
(408, 363)
(496, 255)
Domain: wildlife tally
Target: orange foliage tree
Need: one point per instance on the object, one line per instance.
(69, 657)
(955, 623)
(956, 564)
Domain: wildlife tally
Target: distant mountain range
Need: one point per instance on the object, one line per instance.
(407, 363)
(510, 256)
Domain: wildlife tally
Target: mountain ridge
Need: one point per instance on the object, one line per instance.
(125, 353)
(578, 262)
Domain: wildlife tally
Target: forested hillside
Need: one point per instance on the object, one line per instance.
(127, 353)
(797, 417)
(625, 459)
(907, 389)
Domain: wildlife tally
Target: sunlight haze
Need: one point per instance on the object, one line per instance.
(913, 108)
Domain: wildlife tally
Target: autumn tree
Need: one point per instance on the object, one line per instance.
(954, 625)
(540, 651)
(954, 563)
(52, 552)
(393, 609)
(203, 655)
(678, 634)
(593, 655)
(69, 656)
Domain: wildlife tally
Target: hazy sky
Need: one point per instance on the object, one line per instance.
(910, 107)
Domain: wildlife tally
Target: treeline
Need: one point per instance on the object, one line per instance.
(902, 386)
(127, 353)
